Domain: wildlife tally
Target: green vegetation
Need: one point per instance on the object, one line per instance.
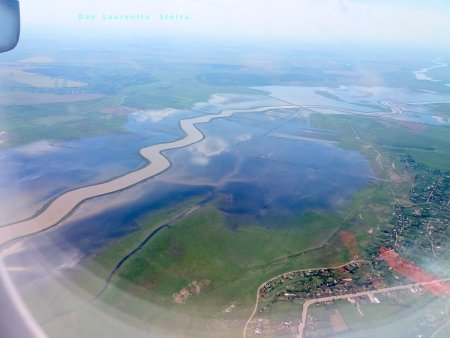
(426, 144)
(178, 94)
(419, 229)
(171, 86)
(329, 95)
(157, 286)
(59, 121)
(103, 78)
(201, 247)
(231, 264)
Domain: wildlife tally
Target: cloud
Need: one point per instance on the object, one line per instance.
(209, 147)
(243, 137)
(37, 148)
(232, 101)
(154, 115)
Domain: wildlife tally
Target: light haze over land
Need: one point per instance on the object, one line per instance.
(412, 22)
(211, 168)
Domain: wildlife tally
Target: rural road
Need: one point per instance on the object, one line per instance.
(301, 326)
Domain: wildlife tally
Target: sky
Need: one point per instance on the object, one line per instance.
(409, 21)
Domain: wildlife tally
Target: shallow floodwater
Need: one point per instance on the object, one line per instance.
(35, 173)
(357, 98)
(248, 170)
(260, 169)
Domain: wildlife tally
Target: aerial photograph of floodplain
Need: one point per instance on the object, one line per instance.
(215, 169)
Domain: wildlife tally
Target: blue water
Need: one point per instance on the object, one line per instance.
(266, 176)
(250, 174)
(35, 173)
(425, 119)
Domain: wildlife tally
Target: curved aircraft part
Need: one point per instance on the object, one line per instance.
(9, 24)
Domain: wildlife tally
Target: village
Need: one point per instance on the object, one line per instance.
(417, 232)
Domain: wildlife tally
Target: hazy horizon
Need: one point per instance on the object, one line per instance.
(340, 21)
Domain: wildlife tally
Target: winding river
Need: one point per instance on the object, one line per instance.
(64, 205)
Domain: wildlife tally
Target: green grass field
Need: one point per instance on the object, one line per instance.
(196, 248)
(427, 144)
(201, 247)
(177, 93)
(65, 121)
(59, 121)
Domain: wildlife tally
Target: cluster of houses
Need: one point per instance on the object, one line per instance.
(308, 284)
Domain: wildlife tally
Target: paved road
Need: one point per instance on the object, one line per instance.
(301, 326)
(66, 204)
(286, 273)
